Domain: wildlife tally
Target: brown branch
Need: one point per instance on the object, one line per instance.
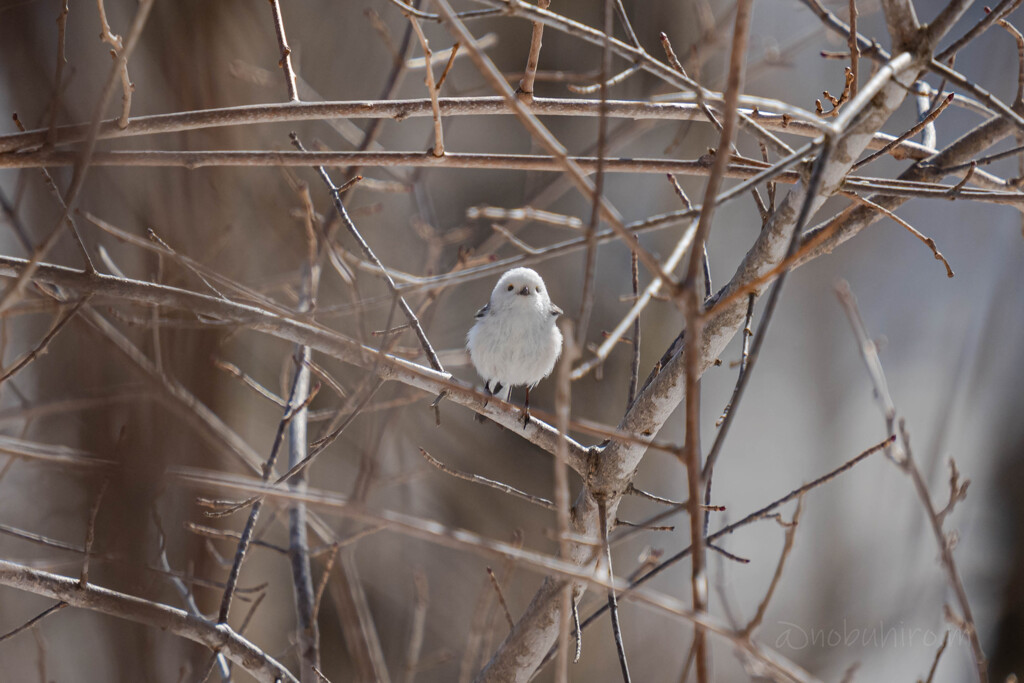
(58, 78)
(543, 136)
(421, 600)
(928, 241)
(484, 481)
(116, 51)
(525, 89)
(417, 527)
(34, 620)
(563, 410)
(1018, 100)
(938, 656)
(692, 350)
(318, 338)
(746, 168)
(854, 48)
(1001, 10)
(934, 114)
(307, 631)
(286, 52)
(432, 89)
(501, 598)
(217, 637)
(762, 513)
(90, 533)
(787, 547)
(905, 461)
(82, 159)
(590, 259)
(63, 319)
(295, 403)
(339, 207)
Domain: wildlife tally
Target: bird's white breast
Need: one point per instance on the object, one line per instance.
(518, 349)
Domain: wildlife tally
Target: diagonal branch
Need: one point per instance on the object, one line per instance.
(529, 642)
(217, 637)
(315, 336)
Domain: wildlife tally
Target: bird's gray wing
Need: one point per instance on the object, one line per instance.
(483, 311)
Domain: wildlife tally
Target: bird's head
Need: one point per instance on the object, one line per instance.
(520, 286)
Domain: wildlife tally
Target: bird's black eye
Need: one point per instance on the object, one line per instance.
(538, 290)
(511, 287)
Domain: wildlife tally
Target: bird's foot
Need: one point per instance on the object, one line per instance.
(526, 417)
(478, 417)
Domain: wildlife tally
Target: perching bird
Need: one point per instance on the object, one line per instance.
(515, 340)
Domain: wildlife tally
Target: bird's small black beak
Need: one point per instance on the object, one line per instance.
(525, 291)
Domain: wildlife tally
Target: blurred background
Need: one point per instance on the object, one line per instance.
(863, 586)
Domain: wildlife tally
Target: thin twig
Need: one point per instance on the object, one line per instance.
(934, 114)
(90, 533)
(905, 461)
(998, 12)
(63, 319)
(454, 52)
(58, 78)
(484, 481)
(370, 256)
(1019, 39)
(590, 260)
(542, 135)
(421, 601)
(744, 356)
(787, 547)
(501, 598)
(693, 309)
(634, 366)
(613, 604)
(525, 89)
(938, 656)
(116, 51)
(218, 637)
(757, 515)
(332, 556)
(563, 409)
(286, 52)
(34, 620)
(432, 89)
(257, 503)
(82, 158)
(928, 241)
(854, 49)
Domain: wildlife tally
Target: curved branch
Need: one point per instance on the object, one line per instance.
(218, 637)
(527, 645)
(309, 334)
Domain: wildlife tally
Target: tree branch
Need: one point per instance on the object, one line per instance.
(218, 637)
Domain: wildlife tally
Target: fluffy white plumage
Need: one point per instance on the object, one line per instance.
(515, 340)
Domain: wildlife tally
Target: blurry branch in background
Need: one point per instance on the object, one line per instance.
(904, 459)
(116, 51)
(836, 143)
(418, 527)
(217, 637)
(83, 159)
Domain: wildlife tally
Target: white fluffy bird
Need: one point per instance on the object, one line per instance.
(515, 340)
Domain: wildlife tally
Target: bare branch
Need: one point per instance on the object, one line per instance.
(286, 52)
(217, 637)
